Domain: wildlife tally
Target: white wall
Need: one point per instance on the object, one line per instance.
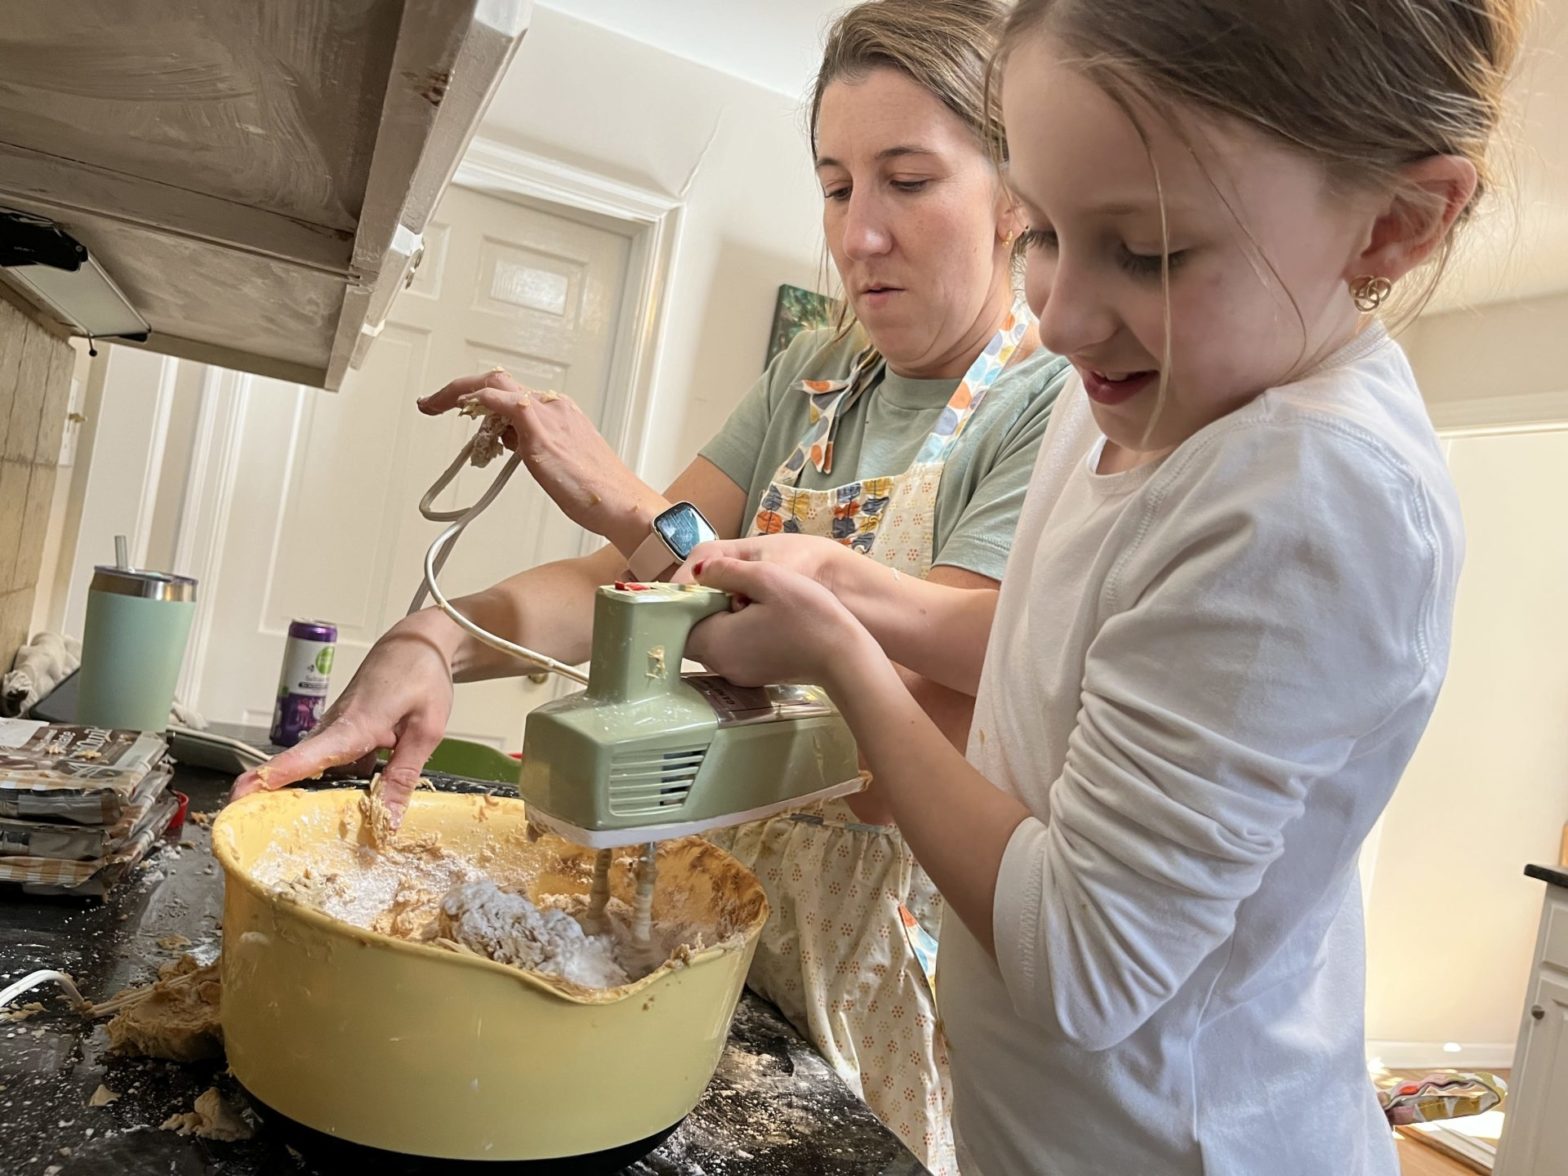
(599, 101)
(65, 508)
(128, 477)
(1451, 920)
(1503, 364)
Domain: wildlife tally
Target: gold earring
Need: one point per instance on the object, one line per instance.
(1369, 290)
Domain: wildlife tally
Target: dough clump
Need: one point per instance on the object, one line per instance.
(506, 927)
(211, 1118)
(175, 1017)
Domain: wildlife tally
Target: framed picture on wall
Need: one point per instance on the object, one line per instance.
(798, 310)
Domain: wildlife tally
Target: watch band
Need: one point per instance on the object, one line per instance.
(652, 559)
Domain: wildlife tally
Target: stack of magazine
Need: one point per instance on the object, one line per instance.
(79, 806)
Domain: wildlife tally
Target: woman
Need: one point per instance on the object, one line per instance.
(909, 437)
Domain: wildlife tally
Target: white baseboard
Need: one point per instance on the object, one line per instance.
(1432, 1055)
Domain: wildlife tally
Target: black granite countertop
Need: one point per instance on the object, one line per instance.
(1553, 874)
(774, 1108)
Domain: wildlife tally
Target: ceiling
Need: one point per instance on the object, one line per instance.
(1518, 250)
(772, 43)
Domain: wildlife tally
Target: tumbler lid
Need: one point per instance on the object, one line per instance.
(148, 585)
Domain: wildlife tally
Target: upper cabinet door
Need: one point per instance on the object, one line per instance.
(256, 177)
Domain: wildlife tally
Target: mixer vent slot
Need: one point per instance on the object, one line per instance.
(652, 782)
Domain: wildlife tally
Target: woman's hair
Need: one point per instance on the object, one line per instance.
(943, 46)
(1362, 86)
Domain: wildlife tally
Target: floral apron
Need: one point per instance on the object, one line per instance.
(849, 952)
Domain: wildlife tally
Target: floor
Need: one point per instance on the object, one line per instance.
(1418, 1160)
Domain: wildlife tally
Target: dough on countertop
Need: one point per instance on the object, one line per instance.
(211, 1118)
(176, 1019)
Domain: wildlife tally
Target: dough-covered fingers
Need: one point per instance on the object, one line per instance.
(336, 743)
(448, 397)
(400, 777)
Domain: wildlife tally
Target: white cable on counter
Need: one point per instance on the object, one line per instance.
(34, 979)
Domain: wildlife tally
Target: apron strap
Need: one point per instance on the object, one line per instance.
(830, 400)
(972, 389)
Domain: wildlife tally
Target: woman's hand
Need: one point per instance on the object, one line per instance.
(401, 699)
(785, 627)
(565, 454)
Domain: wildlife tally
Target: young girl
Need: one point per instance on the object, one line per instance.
(1226, 615)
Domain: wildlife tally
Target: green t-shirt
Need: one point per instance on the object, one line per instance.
(987, 471)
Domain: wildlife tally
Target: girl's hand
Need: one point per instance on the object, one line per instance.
(785, 627)
(563, 451)
(811, 556)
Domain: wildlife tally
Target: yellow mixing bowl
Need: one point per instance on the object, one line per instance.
(417, 1049)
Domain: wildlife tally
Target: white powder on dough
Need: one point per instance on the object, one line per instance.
(511, 930)
(424, 892)
(361, 891)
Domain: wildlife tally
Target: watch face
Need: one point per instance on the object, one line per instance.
(683, 528)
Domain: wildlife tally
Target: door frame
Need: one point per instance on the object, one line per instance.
(203, 528)
(494, 169)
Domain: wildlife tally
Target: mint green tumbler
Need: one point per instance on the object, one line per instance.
(137, 626)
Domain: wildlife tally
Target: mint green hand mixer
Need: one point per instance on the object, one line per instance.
(646, 752)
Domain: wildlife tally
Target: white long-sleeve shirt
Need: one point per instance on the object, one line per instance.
(1204, 679)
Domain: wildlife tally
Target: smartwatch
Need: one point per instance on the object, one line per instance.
(675, 533)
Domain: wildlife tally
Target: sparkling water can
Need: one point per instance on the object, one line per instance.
(302, 684)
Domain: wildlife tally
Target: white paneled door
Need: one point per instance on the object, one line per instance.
(309, 500)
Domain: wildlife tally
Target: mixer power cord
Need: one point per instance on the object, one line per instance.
(479, 451)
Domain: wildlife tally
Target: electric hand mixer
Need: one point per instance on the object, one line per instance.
(646, 752)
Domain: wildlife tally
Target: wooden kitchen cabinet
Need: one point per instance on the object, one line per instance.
(1535, 1131)
(255, 175)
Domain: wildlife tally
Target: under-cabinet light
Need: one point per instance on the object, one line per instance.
(55, 271)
